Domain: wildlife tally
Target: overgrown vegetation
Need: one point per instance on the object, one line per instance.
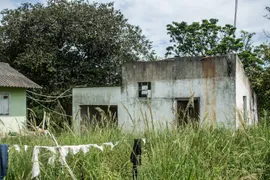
(184, 153)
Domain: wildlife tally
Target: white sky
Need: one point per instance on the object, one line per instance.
(153, 15)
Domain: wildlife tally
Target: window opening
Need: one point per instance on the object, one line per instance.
(4, 104)
(144, 89)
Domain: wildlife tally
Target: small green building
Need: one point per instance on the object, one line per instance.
(13, 108)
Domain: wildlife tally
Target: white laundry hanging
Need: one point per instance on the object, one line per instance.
(26, 148)
(74, 149)
(111, 144)
(35, 168)
(84, 148)
(17, 148)
(63, 150)
(96, 146)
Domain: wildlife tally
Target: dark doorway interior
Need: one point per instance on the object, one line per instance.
(188, 111)
(91, 114)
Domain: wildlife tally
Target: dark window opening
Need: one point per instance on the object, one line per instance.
(99, 114)
(188, 111)
(144, 89)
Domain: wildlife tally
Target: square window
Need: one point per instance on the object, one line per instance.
(144, 89)
(4, 104)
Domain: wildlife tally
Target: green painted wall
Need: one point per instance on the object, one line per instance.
(17, 101)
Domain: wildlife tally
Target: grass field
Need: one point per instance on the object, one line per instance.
(185, 153)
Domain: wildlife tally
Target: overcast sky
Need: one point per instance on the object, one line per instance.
(153, 15)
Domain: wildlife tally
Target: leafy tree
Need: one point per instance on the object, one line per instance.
(69, 43)
(202, 39)
(251, 57)
(264, 89)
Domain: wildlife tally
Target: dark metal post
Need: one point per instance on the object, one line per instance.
(135, 157)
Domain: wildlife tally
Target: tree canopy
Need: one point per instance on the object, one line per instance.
(70, 43)
(202, 39)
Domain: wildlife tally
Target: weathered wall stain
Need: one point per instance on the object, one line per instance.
(209, 84)
(209, 67)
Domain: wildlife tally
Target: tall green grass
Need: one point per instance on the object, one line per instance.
(184, 153)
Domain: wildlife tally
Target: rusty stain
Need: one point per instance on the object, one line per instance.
(209, 74)
(209, 68)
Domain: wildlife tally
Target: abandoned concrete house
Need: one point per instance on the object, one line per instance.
(207, 90)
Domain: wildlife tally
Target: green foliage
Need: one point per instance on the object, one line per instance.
(266, 78)
(186, 153)
(252, 58)
(69, 43)
(202, 39)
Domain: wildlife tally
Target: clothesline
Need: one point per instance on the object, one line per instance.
(25, 147)
(64, 151)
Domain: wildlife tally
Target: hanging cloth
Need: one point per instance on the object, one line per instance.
(3, 160)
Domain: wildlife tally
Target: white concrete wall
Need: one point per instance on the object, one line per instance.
(12, 124)
(212, 80)
(217, 99)
(93, 96)
(243, 88)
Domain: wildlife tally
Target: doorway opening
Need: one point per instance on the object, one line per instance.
(102, 115)
(188, 110)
